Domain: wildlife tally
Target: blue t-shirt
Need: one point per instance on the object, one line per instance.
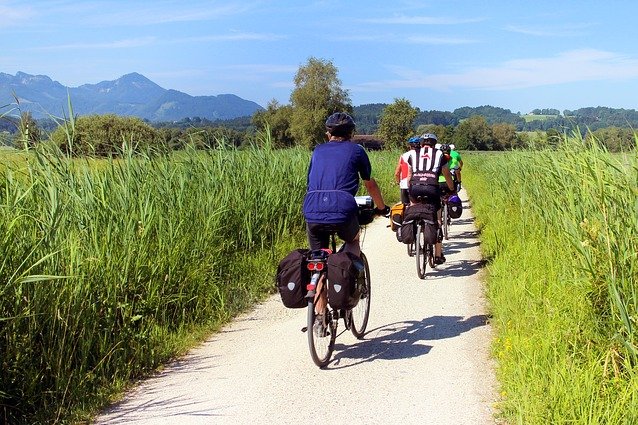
(333, 181)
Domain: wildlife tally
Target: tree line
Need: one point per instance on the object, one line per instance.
(316, 94)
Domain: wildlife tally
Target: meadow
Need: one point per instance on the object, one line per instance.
(110, 268)
(559, 230)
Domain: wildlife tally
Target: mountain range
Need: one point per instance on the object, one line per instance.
(130, 95)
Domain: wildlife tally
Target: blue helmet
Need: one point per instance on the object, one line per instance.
(416, 140)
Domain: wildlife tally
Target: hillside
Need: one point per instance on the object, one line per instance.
(131, 95)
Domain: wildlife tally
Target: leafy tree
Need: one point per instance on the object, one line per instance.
(317, 94)
(276, 119)
(473, 134)
(443, 134)
(105, 135)
(505, 137)
(615, 139)
(397, 123)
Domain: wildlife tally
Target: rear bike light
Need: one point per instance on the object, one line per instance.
(315, 266)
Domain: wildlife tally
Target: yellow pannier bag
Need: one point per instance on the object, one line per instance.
(396, 215)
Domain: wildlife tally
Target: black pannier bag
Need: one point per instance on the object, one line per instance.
(406, 232)
(292, 278)
(344, 272)
(426, 212)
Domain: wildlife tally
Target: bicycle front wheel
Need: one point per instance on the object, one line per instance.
(361, 312)
(321, 336)
(421, 254)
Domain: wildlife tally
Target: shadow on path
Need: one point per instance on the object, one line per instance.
(402, 340)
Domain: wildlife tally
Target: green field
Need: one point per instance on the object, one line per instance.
(560, 233)
(112, 267)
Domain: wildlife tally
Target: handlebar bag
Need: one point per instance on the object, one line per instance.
(345, 272)
(292, 278)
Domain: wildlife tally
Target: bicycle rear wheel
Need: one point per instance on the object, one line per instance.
(321, 336)
(445, 221)
(430, 255)
(421, 254)
(361, 312)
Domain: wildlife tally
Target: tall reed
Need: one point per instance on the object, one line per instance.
(107, 266)
(101, 262)
(560, 231)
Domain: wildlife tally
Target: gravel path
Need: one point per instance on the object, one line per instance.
(424, 360)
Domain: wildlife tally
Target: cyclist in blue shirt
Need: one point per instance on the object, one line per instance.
(333, 182)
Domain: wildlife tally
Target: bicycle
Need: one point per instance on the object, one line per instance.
(322, 332)
(424, 251)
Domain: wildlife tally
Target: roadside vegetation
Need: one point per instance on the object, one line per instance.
(112, 267)
(124, 245)
(559, 230)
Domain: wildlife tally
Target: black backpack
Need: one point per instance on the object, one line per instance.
(292, 278)
(344, 273)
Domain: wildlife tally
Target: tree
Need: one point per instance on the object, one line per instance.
(443, 134)
(396, 124)
(505, 137)
(276, 119)
(106, 135)
(317, 94)
(474, 134)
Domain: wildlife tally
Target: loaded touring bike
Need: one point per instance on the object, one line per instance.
(322, 325)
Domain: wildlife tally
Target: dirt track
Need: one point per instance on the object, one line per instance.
(424, 360)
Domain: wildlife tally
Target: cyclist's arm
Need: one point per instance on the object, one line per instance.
(448, 177)
(373, 189)
(397, 171)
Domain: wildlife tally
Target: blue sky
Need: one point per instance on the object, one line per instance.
(438, 55)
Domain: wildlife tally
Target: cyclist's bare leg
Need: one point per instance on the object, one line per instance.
(321, 297)
(353, 246)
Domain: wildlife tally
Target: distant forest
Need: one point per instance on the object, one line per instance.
(367, 119)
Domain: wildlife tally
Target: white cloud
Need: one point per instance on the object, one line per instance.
(568, 67)
(424, 39)
(233, 36)
(169, 12)
(12, 15)
(565, 30)
(116, 44)
(420, 20)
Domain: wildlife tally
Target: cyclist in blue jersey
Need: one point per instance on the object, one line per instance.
(333, 182)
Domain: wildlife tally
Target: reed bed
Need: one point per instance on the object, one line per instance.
(105, 263)
(560, 232)
(110, 268)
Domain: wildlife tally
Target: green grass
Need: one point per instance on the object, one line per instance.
(533, 117)
(110, 268)
(560, 231)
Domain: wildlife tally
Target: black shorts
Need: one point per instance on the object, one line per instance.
(319, 233)
(405, 197)
(426, 194)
